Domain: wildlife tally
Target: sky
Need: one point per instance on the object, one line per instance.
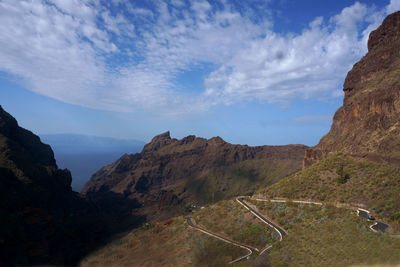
(256, 72)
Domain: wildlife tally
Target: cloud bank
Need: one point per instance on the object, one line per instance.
(115, 55)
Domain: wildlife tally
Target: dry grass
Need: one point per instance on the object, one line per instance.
(372, 185)
(327, 236)
(173, 243)
(230, 219)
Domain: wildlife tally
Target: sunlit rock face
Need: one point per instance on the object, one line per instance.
(367, 126)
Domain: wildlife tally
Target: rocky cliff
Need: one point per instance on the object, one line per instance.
(42, 220)
(367, 126)
(170, 175)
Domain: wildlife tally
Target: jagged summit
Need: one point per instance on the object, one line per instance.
(367, 126)
(165, 135)
(387, 34)
(160, 142)
(170, 173)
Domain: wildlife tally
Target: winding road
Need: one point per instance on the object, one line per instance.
(278, 229)
(247, 247)
(377, 226)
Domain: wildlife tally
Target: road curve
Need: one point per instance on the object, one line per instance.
(278, 229)
(377, 226)
(248, 248)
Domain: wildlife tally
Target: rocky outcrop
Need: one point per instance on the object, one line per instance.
(367, 126)
(42, 220)
(171, 174)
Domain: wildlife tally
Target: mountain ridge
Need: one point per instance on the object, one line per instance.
(171, 173)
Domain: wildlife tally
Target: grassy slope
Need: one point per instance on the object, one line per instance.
(327, 236)
(318, 236)
(241, 178)
(339, 178)
(224, 182)
(231, 220)
(169, 243)
(173, 243)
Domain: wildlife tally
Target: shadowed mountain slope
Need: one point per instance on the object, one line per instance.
(42, 220)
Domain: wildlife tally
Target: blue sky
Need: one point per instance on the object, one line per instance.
(253, 72)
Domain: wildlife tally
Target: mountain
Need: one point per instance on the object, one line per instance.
(367, 126)
(358, 161)
(83, 155)
(339, 171)
(42, 220)
(171, 175)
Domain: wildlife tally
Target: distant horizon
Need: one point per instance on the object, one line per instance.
(87, 135)
(252, 72)
(146, 142)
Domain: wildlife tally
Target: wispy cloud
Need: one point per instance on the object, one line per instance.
(116, 55)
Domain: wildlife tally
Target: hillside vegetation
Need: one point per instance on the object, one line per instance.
(241, 178)
(327, 236)
(339, 178)
(317, 236)
(174, 243)
(168, 243)
(170, 174)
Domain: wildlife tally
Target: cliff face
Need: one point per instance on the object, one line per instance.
(170, 174)
(367, 126)
(40, 214)
(31, 161)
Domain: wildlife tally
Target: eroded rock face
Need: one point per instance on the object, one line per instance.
(367, 126)
(170, 174)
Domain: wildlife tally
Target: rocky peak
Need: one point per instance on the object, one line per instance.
(387, 34)
(367, 125)
(162, 136)
(7, 123)
(171, 173)
(157, 142)
(188, 139)
(216, 140)
(383, 52)
(22, 150)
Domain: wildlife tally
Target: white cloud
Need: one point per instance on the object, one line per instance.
(280, 68)
(83, 53)
(393, 6)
